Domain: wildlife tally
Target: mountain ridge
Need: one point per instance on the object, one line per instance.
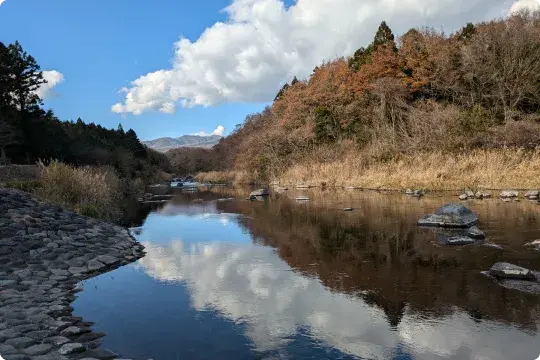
(165, 144)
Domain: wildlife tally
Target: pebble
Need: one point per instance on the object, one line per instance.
(39, 349)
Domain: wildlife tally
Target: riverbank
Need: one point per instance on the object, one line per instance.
(45, 251)
(494, 169)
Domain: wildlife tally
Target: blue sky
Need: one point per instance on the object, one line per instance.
(173, 67)
(102, 45)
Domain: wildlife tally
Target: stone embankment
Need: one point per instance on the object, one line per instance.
(45, 251)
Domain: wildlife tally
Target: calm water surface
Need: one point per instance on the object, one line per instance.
(279, 279)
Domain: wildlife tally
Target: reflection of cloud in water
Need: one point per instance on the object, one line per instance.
(251, 284)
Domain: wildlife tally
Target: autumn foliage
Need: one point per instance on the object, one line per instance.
(478, 88)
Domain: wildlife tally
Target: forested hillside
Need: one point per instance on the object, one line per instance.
(426, 109)
(29, 133)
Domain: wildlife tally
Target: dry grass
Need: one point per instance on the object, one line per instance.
(479, 169)
(90, 191)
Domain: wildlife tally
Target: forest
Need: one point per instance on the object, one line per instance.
(424, 109)
(29, 133)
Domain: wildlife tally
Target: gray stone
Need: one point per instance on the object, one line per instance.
(469, 193)
(450, 215)
(463, 197)
(17, 357)
(532, 194)
(78, 270)
(39, 349)
(60, 272)
(20, 342)
(535, 244)
(74, 330)
(260, 192)
(8, 350)
(100, 354)
(7, 282)
(71, 348)
(503, 270)
(506, 194)
(476, 233)
(107, 259)
(94, 265)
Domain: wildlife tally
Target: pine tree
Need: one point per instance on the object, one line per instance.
(383, 36)
(26, 77)
(281, 92)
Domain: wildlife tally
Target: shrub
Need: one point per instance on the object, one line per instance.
(91, 191)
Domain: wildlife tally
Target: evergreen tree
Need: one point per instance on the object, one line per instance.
(25, 77)
(383, 36)
(281, 92)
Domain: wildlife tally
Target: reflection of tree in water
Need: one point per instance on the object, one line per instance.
(381, 255)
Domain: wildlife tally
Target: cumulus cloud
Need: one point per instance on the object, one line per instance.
(524, 4)
(217, 131)
(264, 43)
(53, 78)
(1, 1)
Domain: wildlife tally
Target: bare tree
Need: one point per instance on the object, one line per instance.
(502, 63)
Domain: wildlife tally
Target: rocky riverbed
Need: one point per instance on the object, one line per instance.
(45, 251)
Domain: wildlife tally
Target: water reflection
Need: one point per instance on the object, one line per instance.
(310, 281)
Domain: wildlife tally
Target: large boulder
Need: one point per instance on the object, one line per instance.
(450, 215)
(502, 270)
(260, 192)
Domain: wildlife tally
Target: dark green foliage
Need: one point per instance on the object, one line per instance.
(467, 32)
(327, 128)
(281, 92)
(383, 36)
(362, 56)
(28, 133)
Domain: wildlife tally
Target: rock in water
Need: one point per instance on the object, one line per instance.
(460, 240)
(302, 198)
(348, 209)
(532, 195)
(503, 270)
(409, 192)
(450, 215)
(260, 192)
(463, 197)
(507, 194)
(469, 193)
(476, 233)
(482, 195)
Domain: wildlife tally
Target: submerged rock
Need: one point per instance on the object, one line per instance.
(450, 215)
(476, 233)
(463, 197)
(348, 209)
(469, 193)
(409, 192)
(460, 240)
(508, 194)
(504, 270)
(302, 198)
(260, 192)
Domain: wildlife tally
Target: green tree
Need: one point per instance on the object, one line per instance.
(384, 36)
(25, 77)
(281, 92)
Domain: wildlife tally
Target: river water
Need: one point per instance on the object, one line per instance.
(282, 279)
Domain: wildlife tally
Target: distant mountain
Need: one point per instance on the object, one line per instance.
(166, 143)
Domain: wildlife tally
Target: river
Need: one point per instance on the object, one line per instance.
(227, 278)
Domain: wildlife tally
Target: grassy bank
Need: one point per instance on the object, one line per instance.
(478, 169)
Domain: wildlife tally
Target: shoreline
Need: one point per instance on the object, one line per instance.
(45, 252)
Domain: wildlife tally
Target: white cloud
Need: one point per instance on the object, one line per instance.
(524, 4)
(53, 78)
(264, 43)
(1, 1)
(218, 131)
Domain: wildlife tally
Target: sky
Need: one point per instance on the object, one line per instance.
(173, 67)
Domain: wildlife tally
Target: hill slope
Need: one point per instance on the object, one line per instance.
(166, 143)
